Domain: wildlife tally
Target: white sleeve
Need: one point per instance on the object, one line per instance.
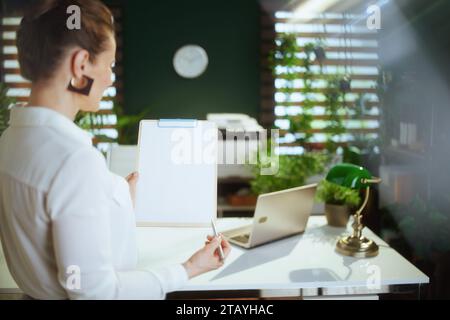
(77, 203)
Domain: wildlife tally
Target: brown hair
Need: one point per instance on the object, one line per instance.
(43, 36)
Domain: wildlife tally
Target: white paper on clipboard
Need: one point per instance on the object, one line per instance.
(177, 165)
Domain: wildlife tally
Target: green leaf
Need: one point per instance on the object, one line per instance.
(332, 193)
(293, 172)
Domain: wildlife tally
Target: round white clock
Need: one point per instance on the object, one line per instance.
(190, 61)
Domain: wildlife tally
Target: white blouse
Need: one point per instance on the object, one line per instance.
(67, 223)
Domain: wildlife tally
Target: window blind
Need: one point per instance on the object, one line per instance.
(350, 48)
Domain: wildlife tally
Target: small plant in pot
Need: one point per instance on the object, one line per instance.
(339, 202)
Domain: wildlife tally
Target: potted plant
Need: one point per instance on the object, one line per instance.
(339, 201)
(243, 197)
(293, 170)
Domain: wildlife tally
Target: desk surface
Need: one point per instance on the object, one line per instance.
(299, 262)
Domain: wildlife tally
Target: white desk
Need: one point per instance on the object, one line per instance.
(305, 263)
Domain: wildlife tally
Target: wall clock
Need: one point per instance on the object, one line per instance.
(190, 61)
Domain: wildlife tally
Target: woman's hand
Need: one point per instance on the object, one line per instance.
(207, 258)
(132, 179)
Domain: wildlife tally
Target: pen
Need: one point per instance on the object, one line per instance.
(222, 256)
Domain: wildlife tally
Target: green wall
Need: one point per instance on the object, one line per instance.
(227, 30)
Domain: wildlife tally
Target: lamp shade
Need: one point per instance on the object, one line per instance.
(349, 175)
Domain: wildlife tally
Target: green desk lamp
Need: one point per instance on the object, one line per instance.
(355, 177)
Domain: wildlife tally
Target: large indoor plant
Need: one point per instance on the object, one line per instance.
(293, 171)
(339, 201)
(335, 110)
(287, 54)
(127, 125)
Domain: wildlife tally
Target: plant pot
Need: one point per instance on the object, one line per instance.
(337, 215)
(238, 200)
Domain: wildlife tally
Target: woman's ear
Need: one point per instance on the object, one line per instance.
(79, 63)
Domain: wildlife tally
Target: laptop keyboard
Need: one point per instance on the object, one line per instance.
(242, 237)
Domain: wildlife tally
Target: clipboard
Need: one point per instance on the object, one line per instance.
(177, 165)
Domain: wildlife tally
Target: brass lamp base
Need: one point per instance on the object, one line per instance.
(358, 247)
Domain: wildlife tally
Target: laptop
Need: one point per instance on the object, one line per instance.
(277, 215)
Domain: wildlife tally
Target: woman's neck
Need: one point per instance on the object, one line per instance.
(54, 97)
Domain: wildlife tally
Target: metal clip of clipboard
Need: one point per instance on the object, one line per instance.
(177, 123)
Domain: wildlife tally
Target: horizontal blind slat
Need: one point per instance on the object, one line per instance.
(266, 47)
(349, 130)
(270, 91)
(267, 104)
(339, 62)
(267, 76)
(267, 21)
(270, 34)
